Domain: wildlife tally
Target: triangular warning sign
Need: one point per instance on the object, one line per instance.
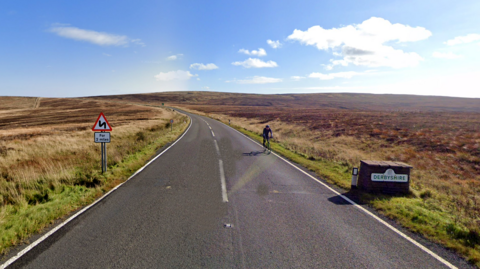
(102, 124)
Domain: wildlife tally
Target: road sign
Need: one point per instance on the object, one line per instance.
(171, 121)
(102, 137)
(102, 124)
(163, 104)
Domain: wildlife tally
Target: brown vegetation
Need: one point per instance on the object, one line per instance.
(438, 136)
(49, 164)
(341, 101)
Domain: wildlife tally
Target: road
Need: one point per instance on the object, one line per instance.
(174, 214)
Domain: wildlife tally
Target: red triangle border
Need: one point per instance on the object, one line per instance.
(108, 124)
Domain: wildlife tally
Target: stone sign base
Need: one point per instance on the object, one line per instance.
(384, 177)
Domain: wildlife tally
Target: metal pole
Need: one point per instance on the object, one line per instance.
(105, 152)
(101, 146)
(103, 159)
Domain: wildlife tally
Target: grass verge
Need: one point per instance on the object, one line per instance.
(418, 211)
(40, 202)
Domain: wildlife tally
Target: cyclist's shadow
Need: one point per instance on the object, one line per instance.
(253, 153)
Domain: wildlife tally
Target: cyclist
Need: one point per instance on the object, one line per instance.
(266, 131)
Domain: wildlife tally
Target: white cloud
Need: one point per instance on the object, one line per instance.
(260, 52)
(257, 80)
(206, 88)
(174, 75)
(297, 78)
(447, 55)
(334, 75)
(199, 66)
(274, 44)
(138, 42)
(328, 66)
(255, 63)
(463, 39)
(97, 38)
(364, 44)
(174, 57)
(459, 85)
(106, 54)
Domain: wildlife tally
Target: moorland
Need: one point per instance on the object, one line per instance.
(330, 133)
(50, 165)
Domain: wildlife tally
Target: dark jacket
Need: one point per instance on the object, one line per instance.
(266, 131)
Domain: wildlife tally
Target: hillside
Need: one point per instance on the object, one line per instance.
(344, 101)
(330, 133)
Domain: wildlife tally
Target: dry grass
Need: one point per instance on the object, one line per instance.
(17, 103)
(340, 101)
(49, 164)
(331, 133)
(442, 147)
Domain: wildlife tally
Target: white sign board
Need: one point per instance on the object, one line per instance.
(102, 137)
(389, 176)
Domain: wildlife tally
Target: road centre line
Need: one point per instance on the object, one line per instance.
(216, 147)
(222, 180)
(411, 240)
(41, 239)
(212, 132)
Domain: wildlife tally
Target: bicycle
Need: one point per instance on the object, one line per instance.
(266, 147)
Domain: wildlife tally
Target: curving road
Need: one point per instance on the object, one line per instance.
(175, 214)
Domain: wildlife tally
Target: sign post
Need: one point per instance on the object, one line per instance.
(354, 178)
(384, 176)
(171, 125)
(100, 128)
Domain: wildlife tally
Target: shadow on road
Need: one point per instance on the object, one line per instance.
(353, 195)
(253, 153)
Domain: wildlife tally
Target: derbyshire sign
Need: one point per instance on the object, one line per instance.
(389, 176)
(384, 177)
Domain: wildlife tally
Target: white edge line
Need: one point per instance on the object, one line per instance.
(224, 184)
(411, 240)
(45, 236)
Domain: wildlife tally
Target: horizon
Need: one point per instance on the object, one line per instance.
(186, 91)
(65, 49)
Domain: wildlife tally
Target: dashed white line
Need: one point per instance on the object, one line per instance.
(210, 127)
(224, 184)
(411, 240)
(216, 147)
(213, 133)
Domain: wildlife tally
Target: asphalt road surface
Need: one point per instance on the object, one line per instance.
(175, 214)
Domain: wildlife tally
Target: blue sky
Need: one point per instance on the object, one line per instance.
(84, 48)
